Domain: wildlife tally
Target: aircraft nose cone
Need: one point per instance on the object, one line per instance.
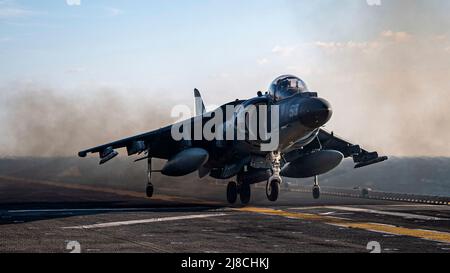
(315, 112)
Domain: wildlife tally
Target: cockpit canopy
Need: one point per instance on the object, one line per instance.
(286, 86)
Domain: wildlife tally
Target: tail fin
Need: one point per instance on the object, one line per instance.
(199, 105)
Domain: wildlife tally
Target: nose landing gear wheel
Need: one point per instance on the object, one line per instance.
(245, 194)
(232, 192)
(273, 189)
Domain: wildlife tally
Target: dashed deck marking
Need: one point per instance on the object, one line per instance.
(100, 210)
(146, 221)
(381, 212)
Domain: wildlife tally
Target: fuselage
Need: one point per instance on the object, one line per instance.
(300, 118)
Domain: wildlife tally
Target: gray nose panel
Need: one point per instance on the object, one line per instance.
(315, 112)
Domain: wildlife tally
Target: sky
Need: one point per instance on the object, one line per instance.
(383, 64)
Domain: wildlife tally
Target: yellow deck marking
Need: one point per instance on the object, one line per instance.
(342, 222)
(288, 214)
(431, 235)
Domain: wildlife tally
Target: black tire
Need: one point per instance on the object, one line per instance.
(149, 190)
(273, 190)
(316, 192)
(232, 192)
(245, 194)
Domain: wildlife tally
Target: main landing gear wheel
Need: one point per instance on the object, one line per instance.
(245, 194)
(273, 188)
(232, 192)
(316, 188)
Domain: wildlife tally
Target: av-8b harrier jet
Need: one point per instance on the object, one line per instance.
(296, 146)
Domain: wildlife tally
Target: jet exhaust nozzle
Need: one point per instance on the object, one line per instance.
(186, 162)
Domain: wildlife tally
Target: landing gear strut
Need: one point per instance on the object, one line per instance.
(149, 189)
(316, 188)
(274, 182)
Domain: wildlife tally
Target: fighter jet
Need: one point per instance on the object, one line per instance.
(303, 149)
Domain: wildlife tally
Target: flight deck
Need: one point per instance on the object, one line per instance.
(53, 216)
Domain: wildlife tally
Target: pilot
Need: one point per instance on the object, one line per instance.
(286, 86)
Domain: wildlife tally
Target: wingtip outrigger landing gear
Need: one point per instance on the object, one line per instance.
(274, 182)
(316, 188)
(149, 189)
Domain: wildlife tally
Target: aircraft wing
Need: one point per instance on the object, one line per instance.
(360, 156)
(156, 142)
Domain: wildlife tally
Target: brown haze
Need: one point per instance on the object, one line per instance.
(43, 122)
(390, 89)
(391, 95)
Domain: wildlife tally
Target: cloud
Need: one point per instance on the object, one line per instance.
(374, 2)
(262, 61)
(75, 70)
(222, 75)
(8, 10)
(383, 40)
(73, 2)
(396, 36)
(442, 40)
(284, 51)
(334, 46)
(113, 11)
